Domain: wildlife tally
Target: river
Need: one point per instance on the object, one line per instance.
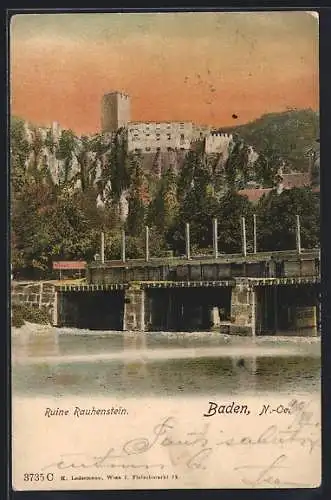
(165, 364)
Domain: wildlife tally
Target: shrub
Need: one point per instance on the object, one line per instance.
(22, 313)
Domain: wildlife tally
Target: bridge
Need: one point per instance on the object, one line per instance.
(245, 294)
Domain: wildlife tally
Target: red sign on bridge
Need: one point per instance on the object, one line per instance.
(69, 264)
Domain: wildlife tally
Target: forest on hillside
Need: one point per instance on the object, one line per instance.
(292, 135)
(66, 190)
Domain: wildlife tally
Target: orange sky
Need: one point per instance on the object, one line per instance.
(175, 66)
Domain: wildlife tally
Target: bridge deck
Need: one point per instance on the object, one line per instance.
(306, 280)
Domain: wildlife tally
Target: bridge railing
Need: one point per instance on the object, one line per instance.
(222, 257)
(214, 252)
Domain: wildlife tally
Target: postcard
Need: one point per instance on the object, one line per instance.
(165, 252)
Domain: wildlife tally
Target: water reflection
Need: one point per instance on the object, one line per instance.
(133, 364)
(135, 369)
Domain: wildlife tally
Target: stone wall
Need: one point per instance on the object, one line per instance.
(305, 317)
(218, 143)
(39, 294)
(115, 111)
(162, 136)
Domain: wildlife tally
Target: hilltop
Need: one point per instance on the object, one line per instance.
(291, 134)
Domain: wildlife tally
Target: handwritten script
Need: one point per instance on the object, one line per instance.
(199, 448)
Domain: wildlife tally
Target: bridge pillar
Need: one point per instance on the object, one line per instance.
(243, 309)
(134, 309)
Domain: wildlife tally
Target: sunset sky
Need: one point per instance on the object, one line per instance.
(203, 67)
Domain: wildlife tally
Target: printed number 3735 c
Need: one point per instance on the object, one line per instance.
(38, 476)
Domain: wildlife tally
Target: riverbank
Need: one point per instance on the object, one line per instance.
(284, 337)
(279, 336)
(31, 328)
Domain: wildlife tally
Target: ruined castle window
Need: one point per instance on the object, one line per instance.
(182, 138)
(148, 149)
(168, 137)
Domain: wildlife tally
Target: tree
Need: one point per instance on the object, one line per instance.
(136, 217)
(267, 167)
(277, 219)
(186, 180)
(198, 211)
(20, 149)
(29, 225)
(117, 168)
(66, 152)
(230, 210)
(163, 209)
(46, 225)
(236, 166)
(197, 203)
